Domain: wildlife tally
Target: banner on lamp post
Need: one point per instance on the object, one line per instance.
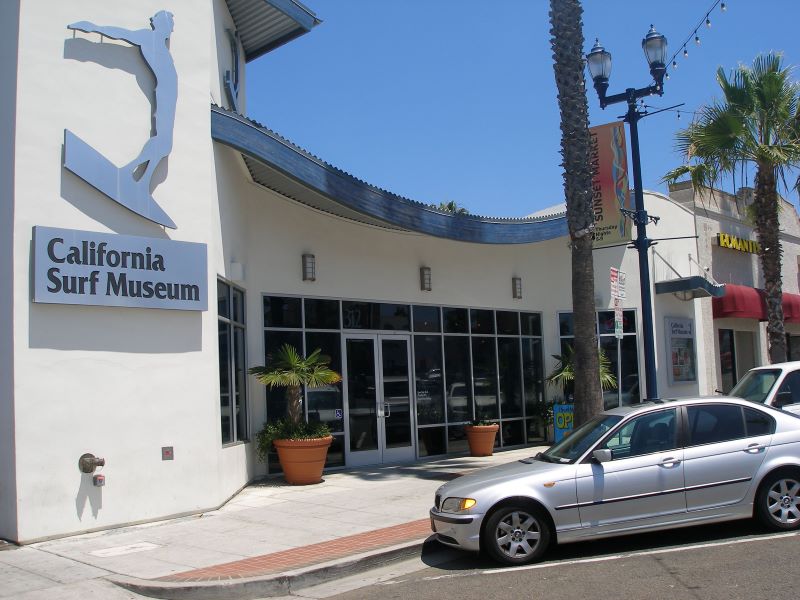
(610, 193)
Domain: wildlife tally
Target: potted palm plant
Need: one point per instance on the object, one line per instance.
(563, 375)
(480, 437)
(302, 447)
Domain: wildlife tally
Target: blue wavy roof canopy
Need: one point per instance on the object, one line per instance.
(277, 164)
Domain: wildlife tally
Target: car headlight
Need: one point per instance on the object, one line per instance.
(452, 505)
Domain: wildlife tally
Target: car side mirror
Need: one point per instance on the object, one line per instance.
(602, 456)
(783, 398)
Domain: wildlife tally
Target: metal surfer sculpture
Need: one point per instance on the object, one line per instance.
(130, 185)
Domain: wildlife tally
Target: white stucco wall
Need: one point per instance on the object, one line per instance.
(222, 58)
(671, 259)
(268, 233)
(120, 383)
(9, 30)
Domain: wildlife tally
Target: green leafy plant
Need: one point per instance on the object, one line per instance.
(544, 410)
(755, 125)
(482, 422)
(284, 429)
(563, 375)
(290, 370)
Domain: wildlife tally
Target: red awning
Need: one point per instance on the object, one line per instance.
(743, 302)
(791, 308)
(740, 302)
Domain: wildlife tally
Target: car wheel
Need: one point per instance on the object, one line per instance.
(516, 535)
(778, 501)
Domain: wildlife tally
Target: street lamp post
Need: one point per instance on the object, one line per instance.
(599, 61)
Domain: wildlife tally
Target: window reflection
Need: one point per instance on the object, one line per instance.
(510, 377)
(484, 378)
(428, 369)
(468, 363)
(457, 371)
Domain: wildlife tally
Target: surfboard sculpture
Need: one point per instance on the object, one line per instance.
(129, 185)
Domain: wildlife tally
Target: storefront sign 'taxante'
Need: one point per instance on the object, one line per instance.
(102, 269)
(726, 240)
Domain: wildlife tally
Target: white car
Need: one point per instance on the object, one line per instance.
(775, 385)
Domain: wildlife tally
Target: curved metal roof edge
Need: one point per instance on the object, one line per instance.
(255, 140)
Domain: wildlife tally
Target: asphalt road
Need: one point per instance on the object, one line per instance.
(725, 562)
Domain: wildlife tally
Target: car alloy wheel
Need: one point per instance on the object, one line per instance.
(516, 535)
(778, 502)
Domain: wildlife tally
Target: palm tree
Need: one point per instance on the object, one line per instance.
(567, 43)
(755, 125)
(290, 370)
(452, 207)
(563, 375)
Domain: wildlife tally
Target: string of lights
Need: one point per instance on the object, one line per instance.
(677, 111)
(682, 49)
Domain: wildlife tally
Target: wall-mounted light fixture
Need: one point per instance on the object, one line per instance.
(516, 288)
(309, 267)
(425, 279)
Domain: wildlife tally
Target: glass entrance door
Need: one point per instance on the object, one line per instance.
(377, 385)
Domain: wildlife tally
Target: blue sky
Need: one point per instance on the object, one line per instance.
(441, 100)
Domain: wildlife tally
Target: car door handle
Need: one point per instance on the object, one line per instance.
(754, 448)
(670, 462)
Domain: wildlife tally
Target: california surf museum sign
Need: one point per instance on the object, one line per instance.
(103, 269)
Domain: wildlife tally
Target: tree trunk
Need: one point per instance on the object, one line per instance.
(567, 43)
(294, 405)
(765, 201)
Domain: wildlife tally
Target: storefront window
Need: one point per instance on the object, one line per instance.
(456, 320)
(426, 319)
(468, 363)
(325, 403)
(459, 379)
(507, 322)
(321, 314)
(622, 354)
(428, 369)
(232, 363)
(484, 369)
(282, 312)
(376, 315)
(293, 321)
(508, 361)
(481, 321)
(531, 323)
(727, 360)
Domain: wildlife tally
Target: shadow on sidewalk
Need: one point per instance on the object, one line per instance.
(439, 470)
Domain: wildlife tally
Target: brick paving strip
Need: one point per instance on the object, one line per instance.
(279, 562)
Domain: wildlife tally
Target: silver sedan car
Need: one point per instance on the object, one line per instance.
(656, 465)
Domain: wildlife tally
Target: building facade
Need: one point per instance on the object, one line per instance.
(727, 248)
(157, 243)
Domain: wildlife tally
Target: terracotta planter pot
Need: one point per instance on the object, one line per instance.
(481, 439)
(302, 461)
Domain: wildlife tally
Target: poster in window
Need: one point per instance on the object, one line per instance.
(680, 349)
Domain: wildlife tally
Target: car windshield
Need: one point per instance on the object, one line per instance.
(755, 385)
(572, 447)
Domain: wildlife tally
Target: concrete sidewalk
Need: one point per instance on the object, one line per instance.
(269, 539)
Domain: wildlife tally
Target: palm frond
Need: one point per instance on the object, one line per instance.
(290, 370)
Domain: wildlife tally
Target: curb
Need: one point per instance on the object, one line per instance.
(276, 584)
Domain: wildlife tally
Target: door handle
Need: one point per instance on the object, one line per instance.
(754, 448)
(387, 410)
(670, 462)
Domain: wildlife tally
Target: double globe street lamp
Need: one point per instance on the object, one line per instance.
(599, 61)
